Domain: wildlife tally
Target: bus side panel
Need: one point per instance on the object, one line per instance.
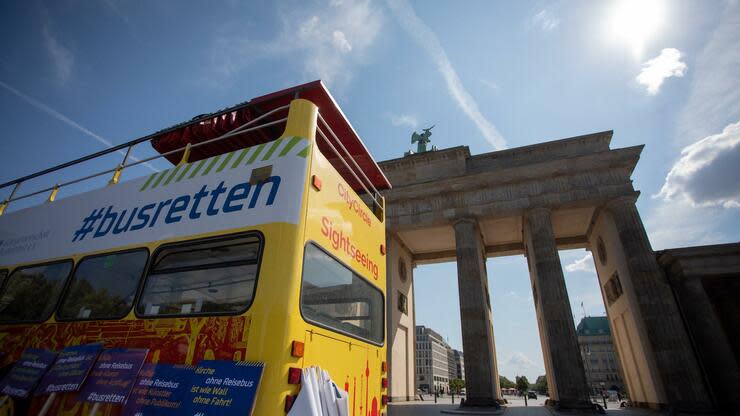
(342, 224)
(354, 369)
(262, 334)
(273, 323)
(339, 221)
(171, 340)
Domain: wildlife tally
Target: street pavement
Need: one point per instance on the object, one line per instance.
(514, 408)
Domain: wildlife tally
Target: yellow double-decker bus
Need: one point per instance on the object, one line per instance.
(264, 241)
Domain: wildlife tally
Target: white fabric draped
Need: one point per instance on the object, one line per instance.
(319, 396)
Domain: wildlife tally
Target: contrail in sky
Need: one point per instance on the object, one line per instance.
(66, 120)
(426, 38)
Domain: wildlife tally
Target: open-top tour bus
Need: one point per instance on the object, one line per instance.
(263, 242)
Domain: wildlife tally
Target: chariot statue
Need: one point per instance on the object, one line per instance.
(422, 140)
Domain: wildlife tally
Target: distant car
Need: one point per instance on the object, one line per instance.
(531, 395)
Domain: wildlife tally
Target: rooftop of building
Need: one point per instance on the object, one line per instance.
(593, 326)
(425, 330)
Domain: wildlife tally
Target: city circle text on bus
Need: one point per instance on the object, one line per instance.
(342, 242)
(110, 221)
(353, 203)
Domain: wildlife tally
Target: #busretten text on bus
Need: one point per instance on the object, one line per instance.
(174, 210)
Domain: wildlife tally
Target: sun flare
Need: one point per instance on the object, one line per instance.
(635, 22)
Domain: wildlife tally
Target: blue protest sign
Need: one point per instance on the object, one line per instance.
(160, 390)
(224, 388)
(113, 375)
(26, 372)
(70, 369)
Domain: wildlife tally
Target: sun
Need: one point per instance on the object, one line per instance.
(635, 22)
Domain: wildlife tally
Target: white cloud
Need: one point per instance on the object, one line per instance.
(685, 213)
(340, 41)
(680, 224)
(655, 71)
(546, 20)
(407, 120)
(66, 120)
(584, 264)
(328, 42)
(426, 38)
(61, 57)
(707, 172)
(518, 364)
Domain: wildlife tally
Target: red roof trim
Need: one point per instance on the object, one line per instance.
(315, 92)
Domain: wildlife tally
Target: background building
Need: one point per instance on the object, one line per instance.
(432, 363)
(456, 364)
(599, 359)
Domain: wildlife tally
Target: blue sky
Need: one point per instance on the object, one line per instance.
(77, 76)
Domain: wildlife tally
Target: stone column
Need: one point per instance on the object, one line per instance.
(709, 336)
(674, 356)
(557, 329)
(481, 372)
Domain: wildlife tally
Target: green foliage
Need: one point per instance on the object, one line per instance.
(26, 297)
(456, 384)
(541, 384)
(522, 384)
(506, 383)
(83, 294)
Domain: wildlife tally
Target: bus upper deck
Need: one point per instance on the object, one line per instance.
(253, 122)
(254, 240)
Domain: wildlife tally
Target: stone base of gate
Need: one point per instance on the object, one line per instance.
(574, 407)
(475, 411)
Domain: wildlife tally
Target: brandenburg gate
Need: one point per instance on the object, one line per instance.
(449, 205)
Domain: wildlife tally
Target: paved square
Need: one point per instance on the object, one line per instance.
(514, 408)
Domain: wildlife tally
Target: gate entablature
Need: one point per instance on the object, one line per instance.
(572, 177)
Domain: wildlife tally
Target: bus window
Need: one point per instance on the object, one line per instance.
(201, 278)
(104, 286)
(31, 293)
(333, 296)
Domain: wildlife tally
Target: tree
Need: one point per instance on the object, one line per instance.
(522, 384)
(456, 384)
(541, 384)
(506, 383)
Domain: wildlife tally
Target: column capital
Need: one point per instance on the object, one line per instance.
(537, 211)
(622, 201)
(469, 220)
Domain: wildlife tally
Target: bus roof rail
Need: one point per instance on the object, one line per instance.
(204, 136)
(124, 165)
(364, 182)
